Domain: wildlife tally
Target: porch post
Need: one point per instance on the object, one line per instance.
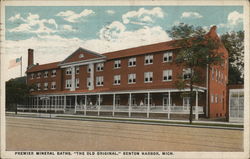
(85, 105)
(37, 103)
(64, 103)
(113, 113)
(75, 103)
(99, 101)
(169, 104)
(148, 105)
(129, 108)
(196, 107)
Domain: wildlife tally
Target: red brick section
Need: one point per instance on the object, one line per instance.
(216, 88)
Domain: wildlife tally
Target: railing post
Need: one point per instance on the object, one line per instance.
(75, 103)
(148, 105)
(99, 105)
(85, 105)
(37, 102)
(196, 107)
(113, 113)
(169, 104)
(129, 109)
(65, 100)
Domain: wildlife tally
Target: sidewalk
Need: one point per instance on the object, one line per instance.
(206, 124)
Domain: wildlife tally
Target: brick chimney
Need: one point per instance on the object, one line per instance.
(30, 57)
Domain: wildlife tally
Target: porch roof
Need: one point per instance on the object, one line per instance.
(106, 91)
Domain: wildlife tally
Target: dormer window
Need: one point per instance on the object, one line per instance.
(81, 56)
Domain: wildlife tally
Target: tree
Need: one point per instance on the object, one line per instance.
(17, 92)
(197, 51)
(234, 43)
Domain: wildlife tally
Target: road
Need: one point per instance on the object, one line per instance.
(72, 135)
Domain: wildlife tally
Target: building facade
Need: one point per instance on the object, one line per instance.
(135, 80)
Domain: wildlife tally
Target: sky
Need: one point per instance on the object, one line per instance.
(54, 32)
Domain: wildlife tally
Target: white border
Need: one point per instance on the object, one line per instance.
(244, 3)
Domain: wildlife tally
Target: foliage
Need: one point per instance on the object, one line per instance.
(234, 43)
(197, 51)
(17, 92)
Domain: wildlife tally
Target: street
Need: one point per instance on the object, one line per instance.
(24, 134)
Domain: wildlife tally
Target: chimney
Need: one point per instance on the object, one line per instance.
(30, 57)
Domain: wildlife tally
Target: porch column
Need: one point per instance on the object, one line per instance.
(148, 105)
(196, 107)
(129, 108)
(46, 103)
(85, 105)
(113, 113)
(56, 101)
(64, 104)
(75, 102)
(37, 103)
(99, 104)
(169, 104)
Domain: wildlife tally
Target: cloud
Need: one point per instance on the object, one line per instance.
(191, 15)
(110, 11)
(68, 28)
(233, 20)
(142, 15)
(15, 18)
(33, 24)
(73, 17)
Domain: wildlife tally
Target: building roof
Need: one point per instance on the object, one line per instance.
(48, 66)
(141, 50)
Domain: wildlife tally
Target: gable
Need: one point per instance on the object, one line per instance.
(82, 55)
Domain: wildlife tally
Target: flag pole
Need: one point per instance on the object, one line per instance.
(21, 64)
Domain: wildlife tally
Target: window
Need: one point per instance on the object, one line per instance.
(99, 81)
(212, 98)
(148, 59)
(46, 73)
(186, 74)
(53, 85)
(68, 83)
(146, 100)
(212, 73)
(117, 64)
(132, 62)
(53, 74)
(88, 82)
(89, 69)
(77, 83)
(77, 69)
(216, 74)
(81, 56)
(45, 86)
(131, 78)
(99, 67)
(32, 76)
(216, 98)
(68, 71)
(167, 75)
(117, 79)
(38, 86)
(39, 75)
(168, 56)
(148, 77)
